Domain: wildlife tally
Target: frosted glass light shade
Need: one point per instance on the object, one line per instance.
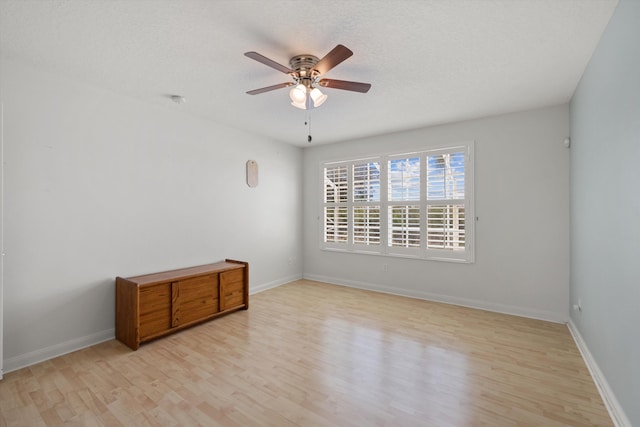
(318, 97)
(298, 93)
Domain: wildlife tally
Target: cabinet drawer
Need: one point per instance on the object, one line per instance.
(231, 289)
(232, 276)
(233, 297)
(195, 299)
(155, 309)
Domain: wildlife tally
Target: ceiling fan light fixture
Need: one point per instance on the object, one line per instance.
(298, 94)
(306, 71)
(317, 97)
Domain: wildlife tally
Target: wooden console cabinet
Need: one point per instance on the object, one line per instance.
(158, 304)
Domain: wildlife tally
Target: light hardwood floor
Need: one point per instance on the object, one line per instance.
(313, 354)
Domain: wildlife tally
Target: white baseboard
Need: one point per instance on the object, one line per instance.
(447, 299)
(274, 284)
(40, 355)
(616, 412)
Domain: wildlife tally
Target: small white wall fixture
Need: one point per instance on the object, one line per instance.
(252, 173)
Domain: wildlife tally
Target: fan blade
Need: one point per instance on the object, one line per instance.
(269, 88)
(268, 62)
(333, 58)
(345, 85)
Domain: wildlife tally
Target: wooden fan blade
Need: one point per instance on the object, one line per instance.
(345, 85)
(269, 88)
(268, 62)
(333, 58)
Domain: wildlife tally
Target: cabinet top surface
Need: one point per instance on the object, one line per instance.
(185, 272)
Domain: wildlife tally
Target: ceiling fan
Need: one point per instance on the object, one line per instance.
(305, 71)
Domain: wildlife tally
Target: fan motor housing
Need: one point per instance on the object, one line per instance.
(303, 65)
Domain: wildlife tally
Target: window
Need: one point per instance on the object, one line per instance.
(410, 204)
(366, 203)
(335, 197)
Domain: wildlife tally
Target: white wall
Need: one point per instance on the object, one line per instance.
(1, 233)
(98, 185)
(605, 212)
(522, 235)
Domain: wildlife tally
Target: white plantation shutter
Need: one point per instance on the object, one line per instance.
(336, 194)
(404, 179)
(366, 225)
(445, 200)
(336, 224)
(403, 217)
(366, 203)
(366, 182)
(404, 226)
(445, 227)
(335, 185)
(410, 205)
(445, 176)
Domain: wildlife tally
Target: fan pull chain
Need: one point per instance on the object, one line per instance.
(308, 123)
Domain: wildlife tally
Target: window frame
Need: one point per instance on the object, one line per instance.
(467, 255)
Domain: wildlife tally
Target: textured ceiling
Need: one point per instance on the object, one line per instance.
(429, 62)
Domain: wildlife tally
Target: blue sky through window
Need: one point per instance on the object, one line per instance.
(404, 179)
(445, 176)
(366, 182)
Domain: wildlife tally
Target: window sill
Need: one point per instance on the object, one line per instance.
(420, 256)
